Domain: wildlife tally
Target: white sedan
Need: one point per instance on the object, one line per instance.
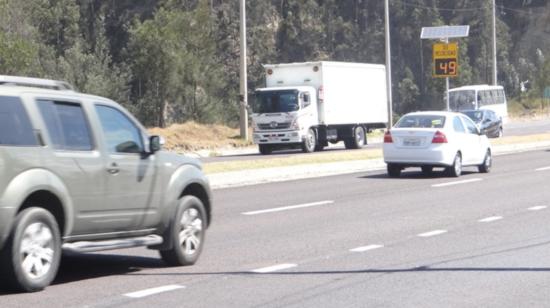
(431, 139)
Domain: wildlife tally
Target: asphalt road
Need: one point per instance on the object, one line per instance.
(513, 128)
(344, 241)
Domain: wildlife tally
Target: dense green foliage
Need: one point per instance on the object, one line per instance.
(178, 60)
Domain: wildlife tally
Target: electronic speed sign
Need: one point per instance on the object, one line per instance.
(445, 59)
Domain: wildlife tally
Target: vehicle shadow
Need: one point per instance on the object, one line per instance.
(413, 174)
(75, 266)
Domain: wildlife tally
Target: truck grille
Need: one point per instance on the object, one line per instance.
(274, 125)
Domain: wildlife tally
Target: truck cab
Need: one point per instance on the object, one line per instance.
(284, 115)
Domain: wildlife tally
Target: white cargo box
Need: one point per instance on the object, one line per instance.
(349, 92)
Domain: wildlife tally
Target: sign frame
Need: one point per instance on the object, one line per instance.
(445, 60)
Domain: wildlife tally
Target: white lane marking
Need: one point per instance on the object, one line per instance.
(543, 169)
(274, 268)
(432, 233)
(286, 208)
(490, 219)
(152, 291)
(537, 208)
(457, 182)
(366, 248)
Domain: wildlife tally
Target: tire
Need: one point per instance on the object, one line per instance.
(500, 133)
(358, 141)
(265, 149)
(485, 167)
(31, 256)
(394, 171)
(456, 169)
(310, 142)
(427, 170)
(186, 233)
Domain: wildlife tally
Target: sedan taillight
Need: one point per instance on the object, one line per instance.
(439, 137)
(387, 137)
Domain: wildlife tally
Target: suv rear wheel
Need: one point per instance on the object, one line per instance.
(187, 233)
(31, 257)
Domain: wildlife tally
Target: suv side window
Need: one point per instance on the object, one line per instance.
(15, 125)
(67, 125)
(121, 134)
(457, 125)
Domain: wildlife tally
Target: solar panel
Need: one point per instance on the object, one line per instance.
(444, 32)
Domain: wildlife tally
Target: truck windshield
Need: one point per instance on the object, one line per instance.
(276, 101)
(462, 100)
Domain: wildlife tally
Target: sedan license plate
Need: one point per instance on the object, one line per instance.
(411, 142)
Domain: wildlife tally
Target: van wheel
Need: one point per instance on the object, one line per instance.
(309, 143)
(187, 233)
(30, 259)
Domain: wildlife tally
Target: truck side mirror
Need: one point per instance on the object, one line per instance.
(306, 100)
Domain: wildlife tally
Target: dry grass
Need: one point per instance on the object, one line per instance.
(192, 136)
(274, 161)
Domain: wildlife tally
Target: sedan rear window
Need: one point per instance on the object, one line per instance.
(421, 121)
(15, 126)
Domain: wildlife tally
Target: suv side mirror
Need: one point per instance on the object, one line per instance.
(155, 143)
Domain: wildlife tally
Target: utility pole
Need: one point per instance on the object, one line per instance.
(495, 81)
(388, 64)
(243, 97)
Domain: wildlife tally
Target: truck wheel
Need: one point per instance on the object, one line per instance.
(309, 143)
(394, 171)
(30, 259)
(358, 140)
(265, 149)
(187, 233)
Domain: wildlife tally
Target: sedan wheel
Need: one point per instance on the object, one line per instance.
(485, 167)
(456, 169)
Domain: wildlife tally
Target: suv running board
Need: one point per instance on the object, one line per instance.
(89, 246)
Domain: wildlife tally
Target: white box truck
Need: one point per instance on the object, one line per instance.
(310, 104)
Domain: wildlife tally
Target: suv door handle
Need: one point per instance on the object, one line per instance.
(113, 169)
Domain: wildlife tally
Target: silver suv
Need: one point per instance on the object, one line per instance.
(79, 173)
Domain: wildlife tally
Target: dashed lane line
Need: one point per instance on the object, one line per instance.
(287, 208)
(274, 268)
(537, 208)
(366, 248)
(457, 182)
(490, 219)
(432, 233)
(543, 169)
(153, 291)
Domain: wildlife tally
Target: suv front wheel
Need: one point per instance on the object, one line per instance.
(30, 259)
(187, 233)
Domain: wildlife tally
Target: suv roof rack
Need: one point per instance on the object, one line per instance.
(36, 83)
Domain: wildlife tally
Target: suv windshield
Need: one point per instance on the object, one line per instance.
(276, 101)
(421, 121)
(462, 100)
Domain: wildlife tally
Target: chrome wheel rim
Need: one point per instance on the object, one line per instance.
(359, 137)
(37, 250)
(191, 231)
(310, 141)
(458, 165)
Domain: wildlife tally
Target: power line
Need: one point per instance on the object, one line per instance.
(528, 11)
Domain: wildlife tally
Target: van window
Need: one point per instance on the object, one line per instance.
(67, 125)
(15, 125)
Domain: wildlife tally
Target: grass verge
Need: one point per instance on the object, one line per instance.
(336, 156)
